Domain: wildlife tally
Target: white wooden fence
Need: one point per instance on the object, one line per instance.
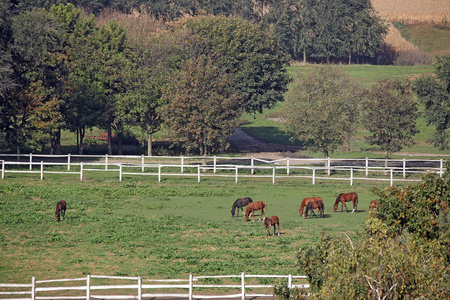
(68, 289)
(165, 166)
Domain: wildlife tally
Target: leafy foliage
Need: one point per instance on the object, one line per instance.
(247, 52)
(201, 107)
(405, 253)
(434, 95)
(322, 109)
(390, 115)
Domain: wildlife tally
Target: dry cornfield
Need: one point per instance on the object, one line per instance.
(414, 11)
(410, 12)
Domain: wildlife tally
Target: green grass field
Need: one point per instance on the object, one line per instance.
(267, 128)
(140, 227)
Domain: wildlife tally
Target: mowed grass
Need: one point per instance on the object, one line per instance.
(268, 127)
(139, 227)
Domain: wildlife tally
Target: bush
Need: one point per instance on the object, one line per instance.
(412, 58)
(405, 252)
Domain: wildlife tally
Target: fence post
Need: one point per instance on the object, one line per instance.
(287, 165)
(88, 287)
(139, 288)
(159, 172)
(273, 175)
(243, 285)
(237, 175)
(442, 168)
(252, 164)
(81, 171)
(328, 166)
(314, 176)
(182, 164)
(351, 176)
(215, 161)
(68, 162)
(31, 161)
(392, 176)
(33, 288)
(190, 286)
(143, 162)
(120, 171)
(106, 162)
(3, 169)
(290, 281)
(42, 170)
(367, 167)
(404, 168)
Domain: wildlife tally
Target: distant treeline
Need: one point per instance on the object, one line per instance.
(309, 30)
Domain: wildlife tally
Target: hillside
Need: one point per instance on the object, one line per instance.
(419, 24)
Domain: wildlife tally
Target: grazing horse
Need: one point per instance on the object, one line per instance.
(346, 197)
(240, 203)
(373, 204)
(272, 221)
(252, 206)
(315, 204)
(305, 203)
(60, 210)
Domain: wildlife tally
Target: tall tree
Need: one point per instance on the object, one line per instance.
(33, 101)
(434, 95)
(249, 53)
(329, 29)
(201, 106)
(83, 90)
(321, 109)
(390, 115)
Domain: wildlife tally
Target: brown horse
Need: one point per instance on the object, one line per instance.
(60, 210)
(251, 207)
(315, 204)
(305, 202)
(373, 204)
(240, 203)
(272, 221)
(346, 197)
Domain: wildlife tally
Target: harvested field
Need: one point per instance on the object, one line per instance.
(414, 11)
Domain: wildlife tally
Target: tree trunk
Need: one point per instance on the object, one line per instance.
(149, 144)
(109, 140)
(120, 141)
(82, 133)
(304, 56)
(350, 58)
(55, 142)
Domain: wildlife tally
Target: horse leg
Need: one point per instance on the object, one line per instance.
(345, 206)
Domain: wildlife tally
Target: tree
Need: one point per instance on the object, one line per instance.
(321, 109)
(83, 86)
(294, 26)
(329, 29)
(201, 106)
(434, 95)
(6, 70)
(32, 103)
(403, 254)
(249, 53)
(390, 115)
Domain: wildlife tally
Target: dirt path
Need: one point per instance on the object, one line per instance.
(252, 147)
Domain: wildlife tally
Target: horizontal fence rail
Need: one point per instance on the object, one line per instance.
(117, 287)
(391, 170)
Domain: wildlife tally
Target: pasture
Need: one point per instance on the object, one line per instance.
(159, 230)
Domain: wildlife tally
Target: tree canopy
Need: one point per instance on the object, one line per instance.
(434, 95)
(321, 109)
(390, 113)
